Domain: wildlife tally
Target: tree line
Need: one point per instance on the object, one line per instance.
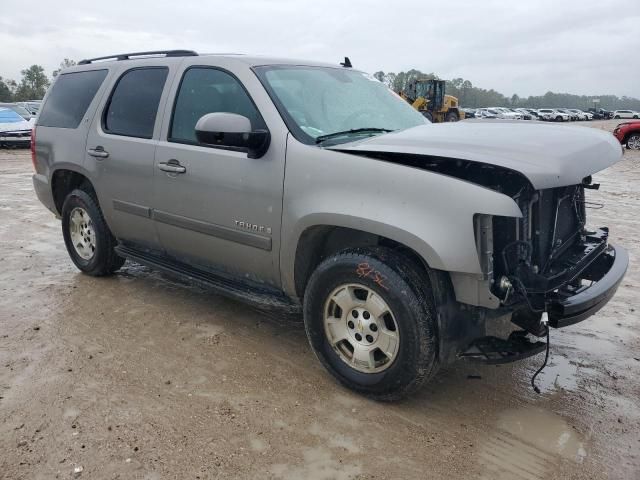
(475, 97)
(33, 83)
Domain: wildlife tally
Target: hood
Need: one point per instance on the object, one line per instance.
(548, 155)
(16, 126)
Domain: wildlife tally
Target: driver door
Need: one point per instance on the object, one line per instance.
(218, 208)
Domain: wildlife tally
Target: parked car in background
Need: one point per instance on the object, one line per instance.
(626, 114)
(601, 113)
(19, 109)
(552, 115)
(15, 131)
(526, 115)
(579, 114)
(588, 115)
(572, 115)
(469, 112)
(583, 116)
(628, 133)
(505, 113)
(484, 113)
(534, 113)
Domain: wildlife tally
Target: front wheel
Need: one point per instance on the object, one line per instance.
(633, 142)
(451, 117)
(369, 316)
(87, 237)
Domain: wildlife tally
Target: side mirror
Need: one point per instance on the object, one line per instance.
(233, 131)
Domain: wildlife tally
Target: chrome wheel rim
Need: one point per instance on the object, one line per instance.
(361, 328)
(634, 142)
(83, 236)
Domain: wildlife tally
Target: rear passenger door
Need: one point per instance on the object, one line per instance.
(121, 146)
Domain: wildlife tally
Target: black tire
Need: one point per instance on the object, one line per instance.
(427, 115)
(635, 116)
(408, 294)
(452, 117)
(617, 116)
(558, 119)
(104, 261)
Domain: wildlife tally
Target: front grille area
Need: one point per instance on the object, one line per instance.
(557, 220)
(543, 249)
(25, 134)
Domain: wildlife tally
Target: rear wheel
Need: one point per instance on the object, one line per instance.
(633, 142)
(617, 116)
(87, 237)
(369, 316)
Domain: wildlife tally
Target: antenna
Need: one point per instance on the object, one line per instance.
(346, 63)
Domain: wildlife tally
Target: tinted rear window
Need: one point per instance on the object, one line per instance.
(133, 105)
(70, 97)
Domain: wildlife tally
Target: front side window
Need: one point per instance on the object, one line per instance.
(317, 102)
(133, 106)
(209, 90)
(70, 98)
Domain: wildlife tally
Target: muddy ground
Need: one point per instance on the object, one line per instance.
(138, 376)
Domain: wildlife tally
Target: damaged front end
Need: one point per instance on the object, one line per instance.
(549, 261)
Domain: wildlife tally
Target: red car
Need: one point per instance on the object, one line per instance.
(629, 133)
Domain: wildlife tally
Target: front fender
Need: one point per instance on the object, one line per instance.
(428, 212)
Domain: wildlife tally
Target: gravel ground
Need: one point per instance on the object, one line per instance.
(140, 376)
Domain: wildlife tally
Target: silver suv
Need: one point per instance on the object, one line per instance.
(312, 188)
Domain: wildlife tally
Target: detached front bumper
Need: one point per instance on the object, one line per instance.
(607, 271)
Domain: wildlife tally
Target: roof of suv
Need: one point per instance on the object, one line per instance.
(250, 60)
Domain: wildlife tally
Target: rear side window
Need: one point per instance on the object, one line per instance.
(70, 97)
(207, 90)
(133, 105)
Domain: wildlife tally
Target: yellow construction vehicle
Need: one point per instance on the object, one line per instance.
(429, 98)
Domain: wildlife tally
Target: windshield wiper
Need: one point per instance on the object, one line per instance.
(344, 133)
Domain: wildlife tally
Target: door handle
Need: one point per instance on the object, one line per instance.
(98, 152)
(172, 166)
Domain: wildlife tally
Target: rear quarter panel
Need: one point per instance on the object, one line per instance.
(64, 148)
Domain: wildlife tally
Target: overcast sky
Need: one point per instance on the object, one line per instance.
(524, 47)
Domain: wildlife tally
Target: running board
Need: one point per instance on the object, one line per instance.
(494, 350)
(263, 298)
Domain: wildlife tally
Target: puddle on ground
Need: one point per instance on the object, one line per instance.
(559, 373)
(545, 431)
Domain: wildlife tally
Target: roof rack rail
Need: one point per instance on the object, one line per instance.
(127, 56)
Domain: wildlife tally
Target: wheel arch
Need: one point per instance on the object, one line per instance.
(319, 241)
(628, 134)
(64, 180)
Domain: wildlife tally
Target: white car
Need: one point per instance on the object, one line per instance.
(505, 113)
(581, 115)
(526, 114)
(588, 114)
(626, 114)
(15, 131)
(552, 115)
